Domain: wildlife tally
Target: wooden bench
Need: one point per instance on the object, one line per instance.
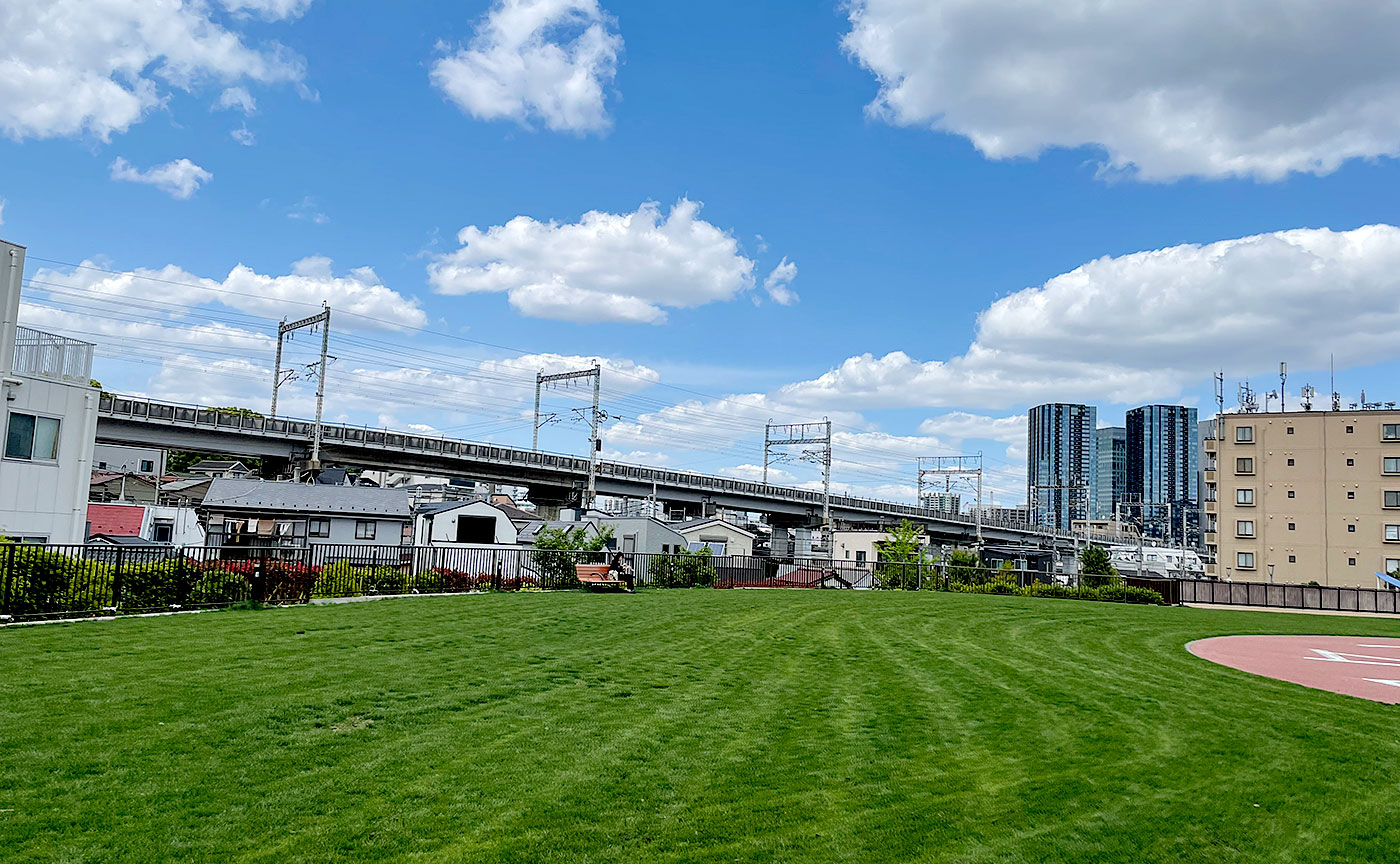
(597, 576)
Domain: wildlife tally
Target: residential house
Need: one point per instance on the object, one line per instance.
(723, 538)
(643, 535)
(265, 513)
(120, 459)
(50, 416)
(184, 491)
(220, 468)
(178, 526)
(104, 486)
(530, 531)
(861, 547)
(464, 522)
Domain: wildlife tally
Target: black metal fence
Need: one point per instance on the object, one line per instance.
(1268, 595)
(74, 581)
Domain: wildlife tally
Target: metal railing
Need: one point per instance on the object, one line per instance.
(1330, 598)
(38, 582)
(188, 415)
(48, 355)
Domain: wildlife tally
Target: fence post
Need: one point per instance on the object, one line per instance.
(117, 579)
(8, 578)
(259, 583)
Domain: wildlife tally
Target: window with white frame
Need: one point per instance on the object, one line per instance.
(364, 529)
(1244, 497)
(716, 547)
(1244, 528)
(1244, 434)
(31, 437)
(1244, 560)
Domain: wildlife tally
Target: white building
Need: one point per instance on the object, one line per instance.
(120, 459)
(464, 522)
(723, 538)
(862, 548)
(50, 422)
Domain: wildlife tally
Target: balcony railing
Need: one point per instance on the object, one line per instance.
(47, 355)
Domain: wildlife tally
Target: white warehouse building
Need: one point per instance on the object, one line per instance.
(50, 422)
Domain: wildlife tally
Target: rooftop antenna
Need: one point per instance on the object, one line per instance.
(1308, 393)
(1249, 402)
(1336, 397)
(1282, 383)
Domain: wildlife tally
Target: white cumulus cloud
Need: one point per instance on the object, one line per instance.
(361, 292)
(536, 60)
(778, 284)
(243, 135)
(72, 66)
(238, 98)
(1255, 88)
(627, 267)
(180, 178)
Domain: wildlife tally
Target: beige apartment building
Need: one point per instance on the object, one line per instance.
(1304, 496)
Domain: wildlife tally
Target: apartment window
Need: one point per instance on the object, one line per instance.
(1292, 494)
(1351, 462)
(1292, 559)
(147, 466)
(1392, 499)
(364, 529)
(1351, 496)
(1390, 432)
(860, 558)
(1246, 497)
(1392, 565)
(1292, 526)
(1351, 529)
(1244, 465)
(1351, 562)
(1391, 465)
(1244, 434)
(317, 527)
(1290, 463)
(1392, 533)
(1244, 528)
(31, 437)
(1290, 430)
(1244, 560)
(1351, 429)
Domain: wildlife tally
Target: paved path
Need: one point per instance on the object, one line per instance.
(1364, 666)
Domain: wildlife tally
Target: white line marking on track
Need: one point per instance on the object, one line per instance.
(1389, 681)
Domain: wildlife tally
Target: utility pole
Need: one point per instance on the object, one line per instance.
(285, 332)
(594, 444)
(952, 468)
(785, 434)
(321, 389)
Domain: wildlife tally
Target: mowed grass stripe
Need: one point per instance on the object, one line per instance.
(684, 726)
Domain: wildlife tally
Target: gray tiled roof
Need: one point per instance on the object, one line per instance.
(300, 497)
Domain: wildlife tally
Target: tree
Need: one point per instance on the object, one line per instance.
(557, 550)
(901, 555)
(964, 566)
(1095, 569)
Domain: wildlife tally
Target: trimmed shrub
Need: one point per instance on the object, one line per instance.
(683, 569)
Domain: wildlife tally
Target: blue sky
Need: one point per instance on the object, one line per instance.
(915, 163)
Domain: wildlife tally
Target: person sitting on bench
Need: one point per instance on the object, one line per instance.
(618, 569)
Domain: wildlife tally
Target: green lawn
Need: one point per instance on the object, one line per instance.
(782, 726)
